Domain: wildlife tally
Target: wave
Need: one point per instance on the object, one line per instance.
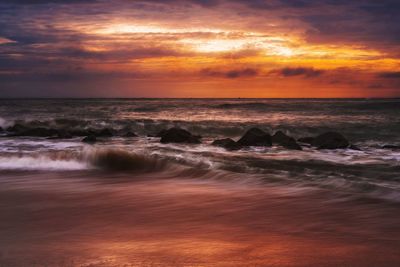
(372, 178)
(249, 105)
(4, 123)
(104, 159)
(40, 163)
(144, 109)
(121, 160)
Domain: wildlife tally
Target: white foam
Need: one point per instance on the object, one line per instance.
(40, 163)
(4, 123)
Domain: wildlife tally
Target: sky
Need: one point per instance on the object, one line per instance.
(200, 48)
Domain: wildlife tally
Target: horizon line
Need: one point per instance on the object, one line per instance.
(189, 98)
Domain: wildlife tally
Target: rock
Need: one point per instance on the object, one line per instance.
(160, 133)
(105, 133)
(178, 135)
(286, 141)
(80, 132)
(330, 140)
(354, 147)
(62, 134)
(17, 128)
(90, 139)
(130, 134)
(391, 147)
(306, 140)
(255, 137)
(227, 143)
(37, 132)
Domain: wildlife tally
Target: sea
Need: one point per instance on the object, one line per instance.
(134, 201)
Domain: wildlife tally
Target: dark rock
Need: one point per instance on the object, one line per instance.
(330, 140)
(255, 137)
(17, 128)
(62, 134)
(81, 132)
(227, 143)
(160, 133)
(130, 134)
(178, 135)
(286, 141)
(105, 133)
(1, 129)
(37, 132)
(391, 147)
(354, 147)
(70, 122)
(306, 140)
(90, 139)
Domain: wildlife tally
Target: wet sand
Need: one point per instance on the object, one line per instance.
(90, 218)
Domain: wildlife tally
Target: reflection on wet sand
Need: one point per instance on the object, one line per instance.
(103, 219)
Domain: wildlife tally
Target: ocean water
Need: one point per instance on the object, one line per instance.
(122, 187)
(369, 124)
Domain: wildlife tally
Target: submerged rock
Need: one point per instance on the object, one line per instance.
(286, 141)
(90, 139)
(330, 140)
(255, 137)
(306, 140)
(227, 143)
(178, 135)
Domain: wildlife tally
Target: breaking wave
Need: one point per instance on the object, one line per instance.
(38, 163)
(121, 160)
(104, 159)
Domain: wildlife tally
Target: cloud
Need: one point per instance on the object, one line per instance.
(38, 2)
(6, 41)
(390, 75)
(230, 74)
(299, 71)
(61, 40)
(70, 75)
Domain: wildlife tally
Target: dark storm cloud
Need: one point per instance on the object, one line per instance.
(230, 74)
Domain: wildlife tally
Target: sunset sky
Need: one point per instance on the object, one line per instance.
(200, 48)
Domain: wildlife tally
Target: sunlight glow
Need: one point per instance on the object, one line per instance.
(127, 28)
